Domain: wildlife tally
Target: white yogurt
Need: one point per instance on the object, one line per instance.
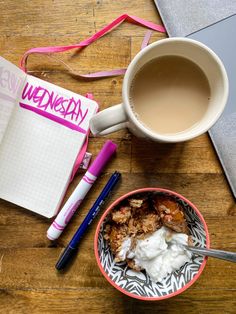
(159, 254)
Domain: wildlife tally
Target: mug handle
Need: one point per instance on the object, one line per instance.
(109, 120)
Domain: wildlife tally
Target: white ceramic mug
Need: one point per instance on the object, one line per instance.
(120, 116)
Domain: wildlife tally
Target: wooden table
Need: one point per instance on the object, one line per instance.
(28, 280)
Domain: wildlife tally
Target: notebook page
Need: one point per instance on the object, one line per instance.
(11, 83)
(37, 155)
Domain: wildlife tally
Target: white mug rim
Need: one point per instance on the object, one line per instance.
(188, 134)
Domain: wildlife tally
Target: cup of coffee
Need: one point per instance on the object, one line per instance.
(173, 90)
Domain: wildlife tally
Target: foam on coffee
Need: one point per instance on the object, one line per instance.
(170, 94)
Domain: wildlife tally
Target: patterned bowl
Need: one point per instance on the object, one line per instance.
(138, 284)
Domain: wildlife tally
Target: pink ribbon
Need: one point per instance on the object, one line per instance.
(85, 43)
(88, 41)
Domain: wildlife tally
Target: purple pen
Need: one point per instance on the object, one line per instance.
(81, 190)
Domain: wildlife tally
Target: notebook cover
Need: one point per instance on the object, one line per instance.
(213, 23)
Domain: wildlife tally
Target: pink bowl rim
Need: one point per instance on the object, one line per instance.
(190, 283)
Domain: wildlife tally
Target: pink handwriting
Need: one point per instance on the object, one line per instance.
(9, 81)
(49, 101)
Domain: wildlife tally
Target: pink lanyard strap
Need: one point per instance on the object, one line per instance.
(88, 41)
(54, 49)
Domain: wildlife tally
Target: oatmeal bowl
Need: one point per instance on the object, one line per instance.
(140, 244)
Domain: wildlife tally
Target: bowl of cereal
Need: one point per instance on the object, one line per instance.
(140, 244)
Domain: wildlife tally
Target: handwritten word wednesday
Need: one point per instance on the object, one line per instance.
(53, 105)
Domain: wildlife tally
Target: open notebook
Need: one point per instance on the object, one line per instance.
(42, 130)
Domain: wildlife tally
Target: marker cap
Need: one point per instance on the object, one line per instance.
(102, 158)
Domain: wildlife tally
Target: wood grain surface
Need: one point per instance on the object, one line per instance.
(28, 280)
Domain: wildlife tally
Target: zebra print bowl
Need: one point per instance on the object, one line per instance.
(138, 284)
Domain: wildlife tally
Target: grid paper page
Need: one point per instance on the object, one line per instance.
(37, 156)
(36, 160)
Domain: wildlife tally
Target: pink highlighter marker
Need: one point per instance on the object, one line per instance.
(81, 190)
